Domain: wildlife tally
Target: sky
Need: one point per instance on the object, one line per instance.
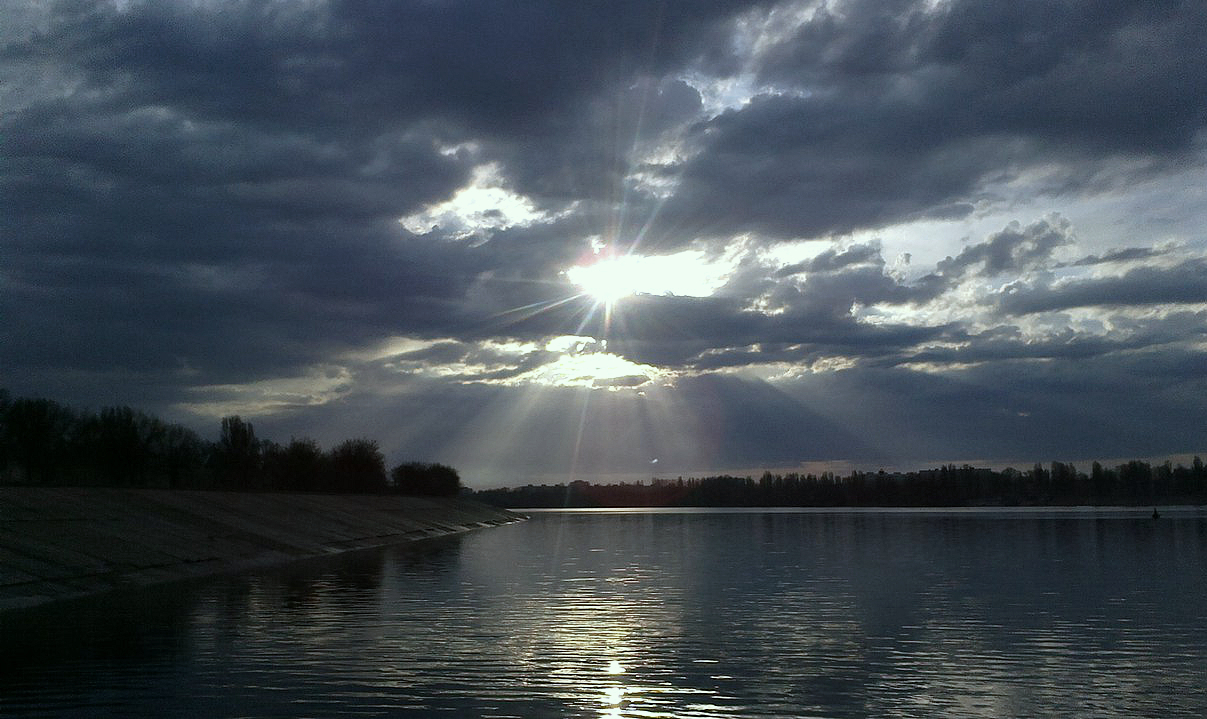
(546, 241)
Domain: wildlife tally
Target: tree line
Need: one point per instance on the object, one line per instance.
(1059, 484)
(44, 443)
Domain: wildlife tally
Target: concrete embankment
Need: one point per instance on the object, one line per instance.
(58, 543)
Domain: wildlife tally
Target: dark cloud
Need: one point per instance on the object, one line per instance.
(1007, 342)
(815, 322)
(1014, 249)
(833, 259)
(229, 321)
(891, 111)
(439, 353)
(1018, 410)
(200, 205)
(551, 87)
(1184, 283)
(631, 380)
(1126, 254)
(1103, 76)
(794, 166)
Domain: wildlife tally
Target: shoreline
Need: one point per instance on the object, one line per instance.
(59, 543)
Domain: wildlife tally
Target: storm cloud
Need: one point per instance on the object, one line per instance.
(974, 219)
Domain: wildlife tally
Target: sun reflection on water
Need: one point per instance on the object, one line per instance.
(604, 625)
(760, 616)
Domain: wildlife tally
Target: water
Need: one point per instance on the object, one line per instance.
(1044, 613)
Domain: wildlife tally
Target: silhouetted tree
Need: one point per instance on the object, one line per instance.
(357, 465)
(432, 480)
(1064, 480)
(237, 454)
(6, 401)
(947, 485)
(42, 442)
(1136, 478)
(300, 466)
(122, 445)
(36, 438)
(1102, 482)
(179, 457)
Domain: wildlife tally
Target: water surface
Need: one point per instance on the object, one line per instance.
(886, 613)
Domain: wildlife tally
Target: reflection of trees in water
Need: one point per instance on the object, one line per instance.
(151, 627)
(145, 626)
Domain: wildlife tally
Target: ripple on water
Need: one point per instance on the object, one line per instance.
(647, 615)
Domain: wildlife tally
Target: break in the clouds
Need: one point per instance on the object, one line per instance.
(548, 239)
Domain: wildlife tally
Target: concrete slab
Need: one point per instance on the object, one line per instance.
(58, 543)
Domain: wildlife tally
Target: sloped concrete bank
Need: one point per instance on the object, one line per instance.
(59, 543)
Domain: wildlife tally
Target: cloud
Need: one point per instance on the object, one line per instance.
(1008, 342)
(876, 112)
(334, 213)
(1126, 254)
(1014, 249)
(1185, 283)
(632, 380)
(834, 259)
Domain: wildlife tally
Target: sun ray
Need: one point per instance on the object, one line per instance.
(528, 311)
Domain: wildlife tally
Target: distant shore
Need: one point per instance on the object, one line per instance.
(1133, 483)
(61, 543)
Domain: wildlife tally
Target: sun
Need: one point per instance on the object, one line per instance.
(607, 280)
(610, 278)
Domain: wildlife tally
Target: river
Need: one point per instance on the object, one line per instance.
(687, 613)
